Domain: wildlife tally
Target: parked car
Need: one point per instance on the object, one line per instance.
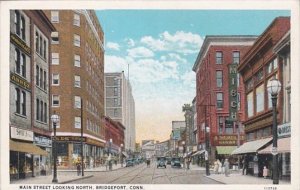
(175, 162)
(161, 162)
(169, 160)
(129, 162)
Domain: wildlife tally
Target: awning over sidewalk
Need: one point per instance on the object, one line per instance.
(225, 149)
(198, 152)
(125, 154)
(26, 147)
(252, 146)
(283, 146)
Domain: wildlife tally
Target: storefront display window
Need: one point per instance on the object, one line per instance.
(260, 98)
(250, 104)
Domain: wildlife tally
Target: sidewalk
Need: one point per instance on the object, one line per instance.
(64, 176)
(236, 177)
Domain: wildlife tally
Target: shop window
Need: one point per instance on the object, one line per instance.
(55, 16)
(76, 148)
(219, 57)
(55, 59)
(236, 57)
(260, 98)
(219, 79)
(250, 104)
(219, 100)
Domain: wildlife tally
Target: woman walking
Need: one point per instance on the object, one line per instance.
(226, 165)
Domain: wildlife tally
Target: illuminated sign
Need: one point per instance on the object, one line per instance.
(20, 43)
(19, 81)
(233, 94)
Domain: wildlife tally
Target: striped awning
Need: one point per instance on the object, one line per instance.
(225, 149)
(252, 146)
(26, 147)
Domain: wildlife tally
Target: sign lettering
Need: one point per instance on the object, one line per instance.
(19, 81)
(20, 43)
(22, 134)
(233, 92)
(70, 138)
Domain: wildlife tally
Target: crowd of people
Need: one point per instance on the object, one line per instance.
(221, 167)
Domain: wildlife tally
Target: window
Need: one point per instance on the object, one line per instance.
(249, 84)
(250, 104)
(45, 113)
(45, 80)
(236, 57)
(221, 122)
(219, 57)
(55, 79)
(42, 110)
(37, 75)
(77, 81)
(77, 102)
(54, 38)
(17, 99)
(77, 122)
(76, 21)
(115, 102)
(20, 99)
(54, 16)
(23, 103)
(41, 78)
(266, 132)
(45, 49)
(55, 101)
(20, 61)
(37, 109)
(219, 78)
(76, 40)
(55, 58)
(219, 100)
(272, 66)
(260, 98)
(77, 60)
(115, 112)
(115, 91)
(20, 25)
(259, 76)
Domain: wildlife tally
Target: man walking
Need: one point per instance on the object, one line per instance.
(78, 169)
(226, 165)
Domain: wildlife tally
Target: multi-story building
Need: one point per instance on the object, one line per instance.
(30, 134)
(268, 58)
(161, 148)
(120, 106)
(189, 120)
(219, 92)
(114, 136)
(77, 85)
(148, 149)
(178, 135)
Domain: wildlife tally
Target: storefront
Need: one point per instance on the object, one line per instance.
(42, 163)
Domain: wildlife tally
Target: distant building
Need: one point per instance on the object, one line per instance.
(178, 136)
(120, 105)
(148, 149)
(30, 130)
(162, 148)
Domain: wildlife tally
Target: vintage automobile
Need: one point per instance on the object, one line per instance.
(161, 162)
(129, 162)
(175, 162)
(169, 159)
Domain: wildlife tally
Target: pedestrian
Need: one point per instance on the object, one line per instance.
(106, 164)
(188, 163)
(219, 166)
(216, 167)
(226, 166)
(245, 166)
(78, 169)
(223, 168)
(265, 172)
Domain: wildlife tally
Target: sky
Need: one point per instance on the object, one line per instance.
(160, 47)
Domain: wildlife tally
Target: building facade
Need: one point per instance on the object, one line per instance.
(77, 85)
(148, 149)
(219, 91)
(268, 58)
(120, 106)
(30, 134)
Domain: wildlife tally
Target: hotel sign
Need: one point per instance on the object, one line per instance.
(227, 139)
(42, 141)
(284, 130)
(20, 43)
(233, 94)
(22, 134)
(16, 79)
(70, 138)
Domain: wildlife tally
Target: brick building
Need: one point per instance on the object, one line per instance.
(217, 103)
(30, 134)
(267, 58)
(77, 78)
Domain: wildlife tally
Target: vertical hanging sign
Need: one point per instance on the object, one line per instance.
(233, 104)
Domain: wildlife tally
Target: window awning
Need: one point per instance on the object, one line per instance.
(283, 146)
(26, 147)
(225, 149)
(252, 146)
(198, 152)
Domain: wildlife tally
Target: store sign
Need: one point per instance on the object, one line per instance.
(17, 133)
(42, 141)
(70, 138)
(284, 130)
(16, 79)
(20, 43)
(94, 142)
(233, 94)
(227, 139)
(176, 134)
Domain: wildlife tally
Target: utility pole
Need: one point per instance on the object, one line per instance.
(81, 139)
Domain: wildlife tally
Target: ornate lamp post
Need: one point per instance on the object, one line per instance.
(274, 87)
(55, 120)
(122, 155)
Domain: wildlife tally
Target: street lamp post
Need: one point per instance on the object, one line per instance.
(55, 120)
(274, 87)
(122, 155)
(183, 146)
(109, 155)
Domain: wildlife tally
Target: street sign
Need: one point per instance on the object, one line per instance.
(274, 150)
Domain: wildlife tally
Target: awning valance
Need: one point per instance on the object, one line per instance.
(252, 146)
(225, 149)
(26, 147)
(283, 146)
(198, 152)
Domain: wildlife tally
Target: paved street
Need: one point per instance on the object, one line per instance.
(140, 174)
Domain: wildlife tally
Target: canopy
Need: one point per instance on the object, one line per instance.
(283, 146)
(125, 154)
(198, 152)
(26, 147)
(225, 149)
(252, 146)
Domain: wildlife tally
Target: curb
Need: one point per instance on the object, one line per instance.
(214, 179)
(71, 180)
(91, 170)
